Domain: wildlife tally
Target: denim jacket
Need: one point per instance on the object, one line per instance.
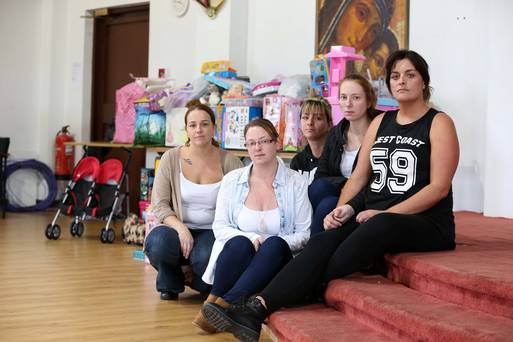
(291, 190)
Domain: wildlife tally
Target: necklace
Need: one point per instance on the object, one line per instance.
(262, 226)
(187, 160)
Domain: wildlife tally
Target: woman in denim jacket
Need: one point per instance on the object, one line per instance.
(263, 216)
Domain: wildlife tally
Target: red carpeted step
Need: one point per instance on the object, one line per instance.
(478, 274)
(317, 323)
(400, 312)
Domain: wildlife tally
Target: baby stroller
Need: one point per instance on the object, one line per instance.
(105, 194)
(75, 197)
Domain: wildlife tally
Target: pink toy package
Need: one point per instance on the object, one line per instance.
(150, 222)
(272, 112)
(292, 137)
(125, 112)
(284, 112)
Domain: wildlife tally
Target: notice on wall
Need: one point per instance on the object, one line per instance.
(76, 75)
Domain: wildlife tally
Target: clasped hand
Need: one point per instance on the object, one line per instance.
(338, 216)
(341, 214)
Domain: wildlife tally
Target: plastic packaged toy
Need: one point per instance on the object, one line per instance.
(237, 114)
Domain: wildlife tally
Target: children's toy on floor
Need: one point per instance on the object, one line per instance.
(105, 197)
(237, 114)
(339, 55)
(75, 197)
(150, 222)
(133, 230)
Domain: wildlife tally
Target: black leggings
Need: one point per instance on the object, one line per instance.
(340, 252)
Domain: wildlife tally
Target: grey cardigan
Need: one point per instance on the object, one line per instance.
(166, 197)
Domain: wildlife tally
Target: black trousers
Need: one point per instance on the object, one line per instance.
(353, 247)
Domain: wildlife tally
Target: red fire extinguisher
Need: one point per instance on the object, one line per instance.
(64, 154)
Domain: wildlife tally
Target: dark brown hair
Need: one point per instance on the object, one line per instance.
(419, 63)
(196, 105)
(317, 103)
(370, 95)
(266, 125)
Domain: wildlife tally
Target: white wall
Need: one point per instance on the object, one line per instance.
(46, 69)
(281, 38)
(499, 119)
(21, 71)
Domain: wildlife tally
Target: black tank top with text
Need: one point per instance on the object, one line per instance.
(400, 159)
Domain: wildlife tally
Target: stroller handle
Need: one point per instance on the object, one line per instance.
(129, 156)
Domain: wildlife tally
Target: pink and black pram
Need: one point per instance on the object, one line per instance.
(94, 191)
(105, 195)
(76, 198)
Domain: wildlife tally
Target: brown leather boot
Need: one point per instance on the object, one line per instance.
(200, 321)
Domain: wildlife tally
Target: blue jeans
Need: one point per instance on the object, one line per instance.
(242, 271)
(324, 197)
(162, 246)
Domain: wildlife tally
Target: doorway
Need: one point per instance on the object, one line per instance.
(120, 47)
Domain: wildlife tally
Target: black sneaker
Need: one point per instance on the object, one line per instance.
(243, 320)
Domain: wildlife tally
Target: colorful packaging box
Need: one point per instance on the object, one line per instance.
(146, 183)
(284, 113)
(319, 74)
(237, 114)
(218, 112)
(175, 127)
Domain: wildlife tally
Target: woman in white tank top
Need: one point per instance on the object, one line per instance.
(184, 200)
(263, 215)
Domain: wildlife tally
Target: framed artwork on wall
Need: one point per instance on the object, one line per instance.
(375, 28)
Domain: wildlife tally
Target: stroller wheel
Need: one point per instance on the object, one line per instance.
(73, 228)
(48, 231)
(80, 229)
(103, 235)
(56, 232)
(107, 235)
(111, 235)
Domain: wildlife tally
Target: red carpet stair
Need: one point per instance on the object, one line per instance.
(462, 295)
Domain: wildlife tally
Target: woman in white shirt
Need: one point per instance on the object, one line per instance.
(263, 216)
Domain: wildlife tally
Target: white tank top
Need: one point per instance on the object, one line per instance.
(265, 223)
(347, 161)
(198, 203)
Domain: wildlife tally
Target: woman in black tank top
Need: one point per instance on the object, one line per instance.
(398, 199)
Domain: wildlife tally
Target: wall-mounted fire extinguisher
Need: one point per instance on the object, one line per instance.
(64, 154)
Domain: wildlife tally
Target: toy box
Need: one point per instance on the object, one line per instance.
(218, 113)
(216, 66)
(175, 127)
(236, 115)
(292, 136)
(150, 222)
(319, 76)
(146, 183)
(284, 113)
